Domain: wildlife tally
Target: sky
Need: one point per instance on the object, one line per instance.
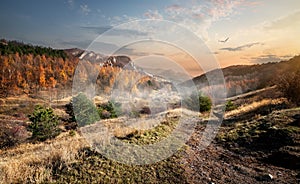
(258, 31)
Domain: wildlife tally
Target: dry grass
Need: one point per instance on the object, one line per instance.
(19, 104)
(33, 163)
(54, 160)
(254, 105)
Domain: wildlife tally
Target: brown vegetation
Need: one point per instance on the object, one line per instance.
(33, 163)
(289, 85)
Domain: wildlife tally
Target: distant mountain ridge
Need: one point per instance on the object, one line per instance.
(103, 60)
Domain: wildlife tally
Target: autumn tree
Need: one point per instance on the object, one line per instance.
(42, 78)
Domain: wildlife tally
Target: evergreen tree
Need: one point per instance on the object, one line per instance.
(44, 123)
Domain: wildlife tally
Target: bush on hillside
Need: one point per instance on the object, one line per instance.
(12, 135)
(230, 106)
(110, 109)
(82, 110)
(197, 102)
(44, 123)
(289, 85)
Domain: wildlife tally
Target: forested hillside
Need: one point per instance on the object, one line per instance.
(27, 69)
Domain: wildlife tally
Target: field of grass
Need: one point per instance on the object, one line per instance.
(69, 159)
(258, 138)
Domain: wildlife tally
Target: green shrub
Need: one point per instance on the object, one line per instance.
(44, 123)
(134, 114)
(289, 85)
(204, 103)
(70, 112)
(72, 133)
(230, 106)
(110, 109)
(197, 102)
(82, 110)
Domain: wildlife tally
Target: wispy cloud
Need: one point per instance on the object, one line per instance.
(85, 9)
(137, 52)
(97, 29)
(242, 47)
(199, 16)
(288, 21)
(196, 15)
(114, 31)
(266, 58)
(252, 3)
(70, 3)
(98, 47)
(173, 7)
(76, 44)
(153, 14)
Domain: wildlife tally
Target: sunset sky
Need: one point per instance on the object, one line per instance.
(259, 31)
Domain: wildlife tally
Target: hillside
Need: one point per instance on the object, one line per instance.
(28, 69)
(258, 142)
(243, 78)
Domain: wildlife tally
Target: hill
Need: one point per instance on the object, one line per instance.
(244, 78)
(28, 69)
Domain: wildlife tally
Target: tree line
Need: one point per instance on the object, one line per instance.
(13, 47)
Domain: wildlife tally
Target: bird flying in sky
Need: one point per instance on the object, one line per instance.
(224, 41)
